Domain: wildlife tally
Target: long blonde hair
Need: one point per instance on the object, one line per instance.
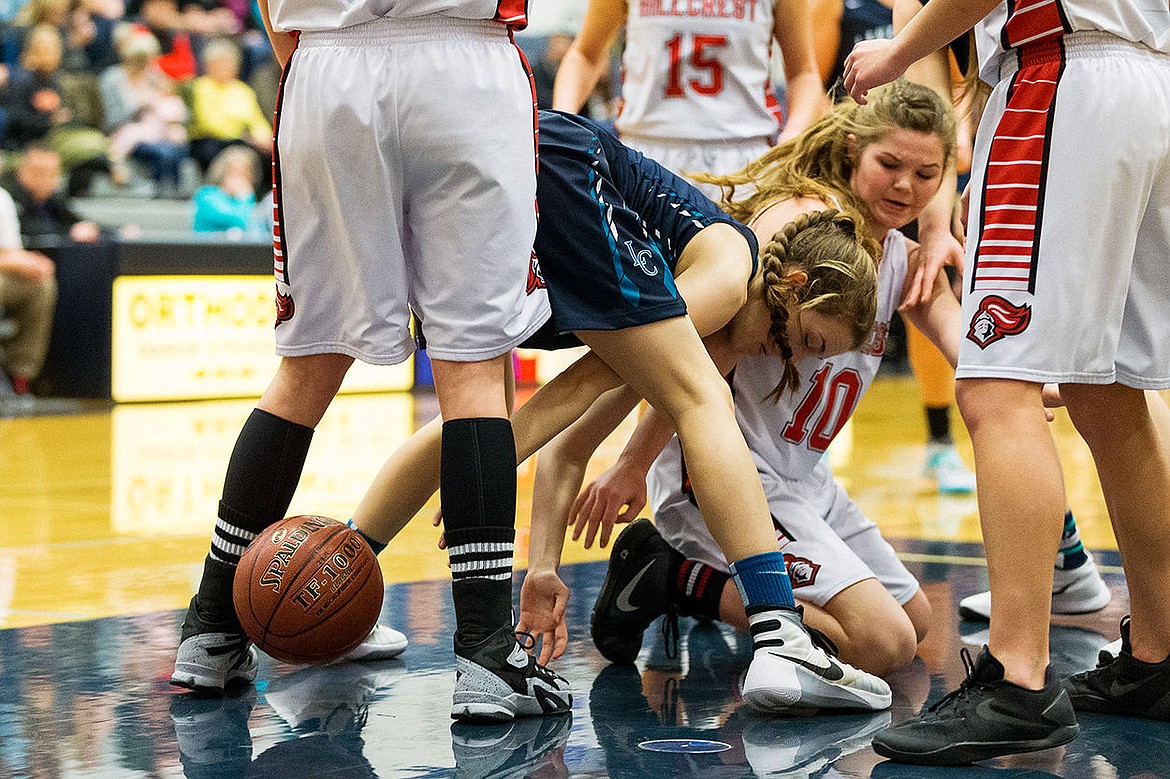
(841, 266)
(819, 162)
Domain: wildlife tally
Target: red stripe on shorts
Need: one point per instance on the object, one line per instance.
(1013, 188)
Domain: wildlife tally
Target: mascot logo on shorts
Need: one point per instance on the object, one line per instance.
(996, 319)
(535, 277)
(284, 307)
(801, 571)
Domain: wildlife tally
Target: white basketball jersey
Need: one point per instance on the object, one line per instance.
(697, 70)
(320, 15)
(788, 438)
(1017, 23)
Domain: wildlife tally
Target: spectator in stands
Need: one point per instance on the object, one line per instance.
(38, 112)
(228, 202)
(224, 110)
(43, 211)
(28, 299)
(86, 28)
(163, 19)
(144, 116)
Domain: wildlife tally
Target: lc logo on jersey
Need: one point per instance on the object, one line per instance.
(996, 319)
(642, 259)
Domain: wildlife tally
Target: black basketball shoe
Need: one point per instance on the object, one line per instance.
(1123, 685)
(986, 717)
(496, 680)
(636, 590)
(212, 658)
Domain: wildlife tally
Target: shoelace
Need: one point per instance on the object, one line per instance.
(670, 630)
(956, 696)
(526, 640)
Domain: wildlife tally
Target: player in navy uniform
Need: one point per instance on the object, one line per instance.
(666, 291)
(1058, 289)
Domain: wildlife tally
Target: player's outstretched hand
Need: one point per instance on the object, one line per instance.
(937, 248)
(871, 64)
(615, 496)
(543, 598)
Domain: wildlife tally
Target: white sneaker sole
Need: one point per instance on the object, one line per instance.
(783, 687)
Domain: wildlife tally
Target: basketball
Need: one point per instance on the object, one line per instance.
(308, 590)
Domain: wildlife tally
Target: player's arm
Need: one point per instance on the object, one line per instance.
(940, 317)
(804, 85)
(872, 63)
(560, 471)
(619, 494)
(588, 56)
(826, 25)
(283, 43)
(712, 276)
(939, 245)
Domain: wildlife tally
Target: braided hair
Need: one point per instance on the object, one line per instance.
(841, 265)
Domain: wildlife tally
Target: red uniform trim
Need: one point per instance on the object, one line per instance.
(513, 13)
(1030, 21)
(280, 259)
(1016, 178)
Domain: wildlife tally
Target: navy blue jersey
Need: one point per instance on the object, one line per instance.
(861, 20)
(612, 226)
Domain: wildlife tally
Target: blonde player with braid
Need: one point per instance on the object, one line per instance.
(666, 291)
(887, 160)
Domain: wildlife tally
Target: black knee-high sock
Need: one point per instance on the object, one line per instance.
(262, 475)
(478, 498)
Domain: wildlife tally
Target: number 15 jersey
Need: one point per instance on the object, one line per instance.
(698, 70)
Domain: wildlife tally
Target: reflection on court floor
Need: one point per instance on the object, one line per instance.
(106, 521)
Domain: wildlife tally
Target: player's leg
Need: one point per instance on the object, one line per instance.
(262, 475)
(936, 383)
(666, 363)
(470, 175)
(834, 557)
(410, 476)
(1077, 586)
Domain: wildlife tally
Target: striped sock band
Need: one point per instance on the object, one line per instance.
(698, 588)
(481, 553)
(229, 540)
(1072, 552)
(762, 580)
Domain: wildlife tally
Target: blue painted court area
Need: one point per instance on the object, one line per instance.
(92, 699)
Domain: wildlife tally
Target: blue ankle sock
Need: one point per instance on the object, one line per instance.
(762, 580)
(377, 546)
(1072, 552)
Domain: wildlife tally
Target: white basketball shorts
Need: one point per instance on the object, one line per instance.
(827, 543)
(1068, 254)
(405, 178)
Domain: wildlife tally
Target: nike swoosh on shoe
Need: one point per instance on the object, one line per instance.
(832, 672)
(623, 598)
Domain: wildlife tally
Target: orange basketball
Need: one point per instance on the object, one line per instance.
(308, 590)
